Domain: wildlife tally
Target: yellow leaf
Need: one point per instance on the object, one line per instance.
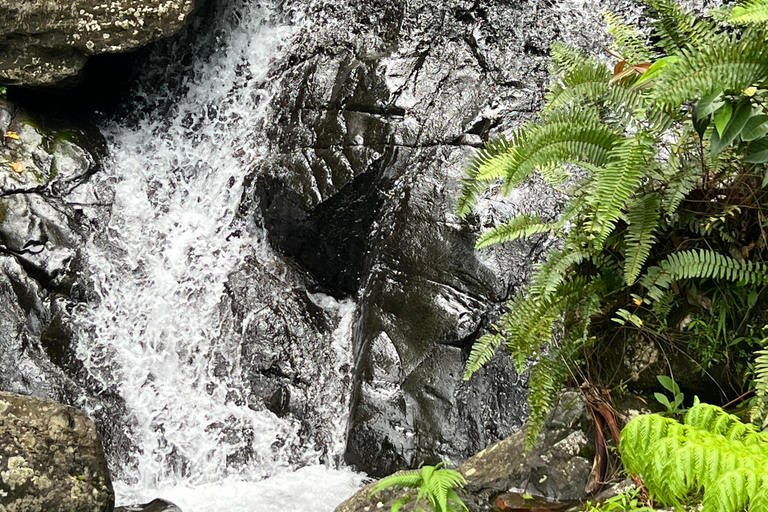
(12, 135)
(750, 91)
(18, 167)
(637, 302)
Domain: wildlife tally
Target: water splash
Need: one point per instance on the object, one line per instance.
(158, 333)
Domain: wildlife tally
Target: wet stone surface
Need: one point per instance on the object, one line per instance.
(47, 209)
(378, 107)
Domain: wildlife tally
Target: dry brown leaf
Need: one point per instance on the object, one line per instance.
(642, 68)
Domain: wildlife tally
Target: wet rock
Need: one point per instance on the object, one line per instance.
(157, 505)
(48, 207)
(48, 43)
(50, 458)
(552, 476)
(378, 108)
(294, 353)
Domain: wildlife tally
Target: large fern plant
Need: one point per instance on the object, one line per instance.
(670, 147)
(711, 452)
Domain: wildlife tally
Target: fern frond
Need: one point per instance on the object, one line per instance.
(565, 136)
(750, 12)
(727, 63)
(564, 58)
(571, 135)
(520, 226)
(617, 181)
(757, 413)
(677, 29)
(482, 352)
(476, 182)
(586, 84)
(409, 479)
(643, 219)
(701, 264)
(681, 179)
(558, 266)
(712, 451)
(629, 42)
(545, 381)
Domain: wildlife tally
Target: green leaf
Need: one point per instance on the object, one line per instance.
(757, 152)
(707, 105)
(722, 116)
(668, 383)
(663, 400)
(732, 130)
(756, 127)
(656, 69)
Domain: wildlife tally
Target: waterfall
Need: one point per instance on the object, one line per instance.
(157, 331)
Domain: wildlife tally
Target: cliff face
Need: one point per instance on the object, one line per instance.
(379, 107)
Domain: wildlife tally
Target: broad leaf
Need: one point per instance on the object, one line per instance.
(732, 130)
(722, 116)
(707, 105)
(757, 152)
(756, 127)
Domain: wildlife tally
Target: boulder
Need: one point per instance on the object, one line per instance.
(50, 458)
(44, 43)
(552, 476)
(378, 108)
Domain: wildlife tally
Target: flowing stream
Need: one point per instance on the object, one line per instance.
(176, 170)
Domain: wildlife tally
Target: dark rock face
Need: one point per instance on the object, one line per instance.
(292, 349)
(50, 458)
(379, 105)
(47, 43)
(555, 472)
(47, 207)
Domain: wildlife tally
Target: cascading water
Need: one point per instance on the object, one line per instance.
(158, 332)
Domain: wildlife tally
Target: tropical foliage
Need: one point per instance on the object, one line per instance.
(435, 487)
(711, 452)
(667, 152)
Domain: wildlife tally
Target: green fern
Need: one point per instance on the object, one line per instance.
(565, 59)
(643, 219)
(757, 413)
(629, 42)
(676, 29)
(617, 181)
(726, 64)
(750, 12)
(521, 226)
(652, 192)
(701, 263)
(586, 82)
(435, 486)
(711, 450)
(482, 352)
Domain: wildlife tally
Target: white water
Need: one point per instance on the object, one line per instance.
(160, 272)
